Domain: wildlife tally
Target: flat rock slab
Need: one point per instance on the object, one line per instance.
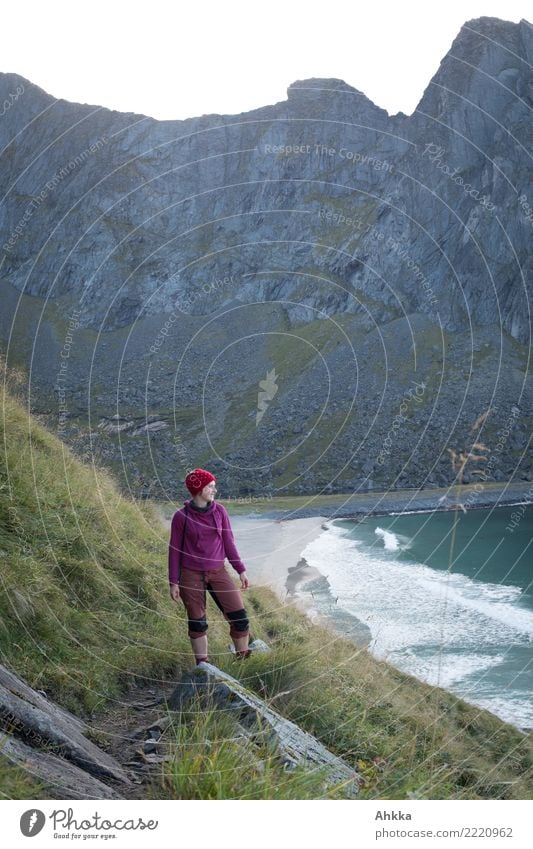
(208, 684)
(23, 690)
(41, 723)
(63, 780)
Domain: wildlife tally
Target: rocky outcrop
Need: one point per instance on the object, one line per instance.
(62, 778)
(50, 742)
(208, 685)
(123, 193)
(117, 424)
(338, 255)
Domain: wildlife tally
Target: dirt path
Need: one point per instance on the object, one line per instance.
(122, 731)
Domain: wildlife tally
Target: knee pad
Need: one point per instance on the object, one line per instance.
(198, 626)
(239, 620)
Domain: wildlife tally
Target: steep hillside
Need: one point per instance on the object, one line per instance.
(85, 612)
(84, 602)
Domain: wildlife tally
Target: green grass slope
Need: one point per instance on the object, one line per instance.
(83, 600)
(84, 608)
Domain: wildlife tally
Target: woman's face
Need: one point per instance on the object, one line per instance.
(208, 492)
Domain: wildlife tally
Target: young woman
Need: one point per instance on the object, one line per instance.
(200, 539)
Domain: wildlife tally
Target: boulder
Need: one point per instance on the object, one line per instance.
(64, 780)
(206, 684)
(41, 724)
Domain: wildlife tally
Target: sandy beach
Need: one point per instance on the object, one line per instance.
(271, 545)
(272, 551)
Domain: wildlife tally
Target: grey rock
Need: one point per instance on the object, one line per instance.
(42, 724)
(64, 780)
(259, 646)
(160, 724)
(116, 425)
(137, 733)
(150, 427)
(153, 734)
(256, 645)
(153, 758)
(414, 230)
(209, 684)
(18, 687)
(142, 705)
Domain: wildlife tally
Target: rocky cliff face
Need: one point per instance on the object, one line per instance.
(312, 294)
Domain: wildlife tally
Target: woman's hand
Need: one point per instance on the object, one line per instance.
(175, 592)
(245, 583)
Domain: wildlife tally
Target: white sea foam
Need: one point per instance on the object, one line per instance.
(393, 541)
(443, 668)
(442, 627)
(518, 711)
(390, 540)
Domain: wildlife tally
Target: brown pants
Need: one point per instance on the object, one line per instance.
(193, 586)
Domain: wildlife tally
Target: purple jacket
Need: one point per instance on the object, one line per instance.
(208, 541)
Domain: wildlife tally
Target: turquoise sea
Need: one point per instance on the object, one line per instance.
(462, 621)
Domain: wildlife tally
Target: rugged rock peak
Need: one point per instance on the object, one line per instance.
(343, 240)
(330, 96)
(489, 65)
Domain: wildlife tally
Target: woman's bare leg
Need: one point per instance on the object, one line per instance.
(240, 643)
(199, 646)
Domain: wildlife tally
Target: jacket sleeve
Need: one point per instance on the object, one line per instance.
(230, 548)
(176, 530)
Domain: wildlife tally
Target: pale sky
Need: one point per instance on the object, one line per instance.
(176, 60)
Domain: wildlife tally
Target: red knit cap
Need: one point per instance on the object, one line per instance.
(197, 479)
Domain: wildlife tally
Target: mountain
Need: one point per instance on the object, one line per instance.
(314, 295)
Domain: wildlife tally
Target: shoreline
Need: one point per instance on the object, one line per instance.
(385, 503)
(286, 571)
(303, 581)
(272, 552)
(357, 506)
(272, 545)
